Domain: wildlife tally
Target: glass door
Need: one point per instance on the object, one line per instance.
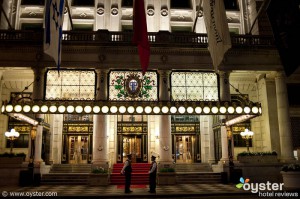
(78, 149)
(184, 147)
(132, 145)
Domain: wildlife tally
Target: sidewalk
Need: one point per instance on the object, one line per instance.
(112, 191)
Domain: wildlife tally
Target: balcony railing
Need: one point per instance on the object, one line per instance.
(162, 38)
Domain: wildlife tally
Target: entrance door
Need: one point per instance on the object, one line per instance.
(135, 144)
(132, 145)
(184, 147)
(78, 149)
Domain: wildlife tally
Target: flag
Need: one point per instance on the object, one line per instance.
(140, 34)
(285, 21)
(217, 30)
(54, 14)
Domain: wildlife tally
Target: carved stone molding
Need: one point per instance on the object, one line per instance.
(164, 12)
(114, 11)
(100, 11)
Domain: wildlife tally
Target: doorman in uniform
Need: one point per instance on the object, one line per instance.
(152, 175)
(127, 170)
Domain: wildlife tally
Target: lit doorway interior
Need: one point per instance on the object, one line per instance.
(132, 145)
(78, 149)
(184, 148)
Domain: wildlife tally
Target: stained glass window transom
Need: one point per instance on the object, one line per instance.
(70, 85)
(194, 86)
(133, 86)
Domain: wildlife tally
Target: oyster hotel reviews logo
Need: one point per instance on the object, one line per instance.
(267, 189)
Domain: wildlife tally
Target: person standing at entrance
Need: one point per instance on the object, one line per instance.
(127, 170)
(152, 175)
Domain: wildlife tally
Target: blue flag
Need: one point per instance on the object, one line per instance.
(54, 16)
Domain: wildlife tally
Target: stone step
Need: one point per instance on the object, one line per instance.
(198, 178)
(70, 168)
(195, 167)
(74, 178)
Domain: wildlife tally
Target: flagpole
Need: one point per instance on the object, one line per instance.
(263, 6)
(198, 11)
(69, 14)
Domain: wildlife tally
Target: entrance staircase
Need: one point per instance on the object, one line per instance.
(139, 174)
(197, 173)
(78, 174)
(67, 174)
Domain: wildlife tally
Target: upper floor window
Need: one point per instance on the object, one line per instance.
(33, 2)
(70, 85)
(133, 86)
(231, 5)
(83, 3)
(127, 3)
(194, 86)
(181, 4)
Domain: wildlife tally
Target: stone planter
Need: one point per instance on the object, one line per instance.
(99, 179)
(291, 179)
(168, 178)
(11, 160)
(258, 159)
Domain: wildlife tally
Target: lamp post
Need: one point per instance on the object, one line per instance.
(12, 135)
(247, 135)
(32, 135)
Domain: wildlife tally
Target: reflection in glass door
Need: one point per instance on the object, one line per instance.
(184, 147)
(78, 149)
(132, 145)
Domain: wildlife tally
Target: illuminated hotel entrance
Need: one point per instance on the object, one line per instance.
(186, 138)
(132, 138)
(184, 147)
(78, 149)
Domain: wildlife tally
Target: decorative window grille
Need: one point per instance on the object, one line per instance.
(133, 86)
(70, 85)
(194, 86)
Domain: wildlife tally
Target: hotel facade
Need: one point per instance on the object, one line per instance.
(99, 107)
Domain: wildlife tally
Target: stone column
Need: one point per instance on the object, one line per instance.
(164, 129)
(224, 142)
(285, 132)
(225, 96)
(211, 156)
(100, 150)
(38, 94)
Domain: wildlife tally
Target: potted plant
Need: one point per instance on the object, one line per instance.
(99, 176)
(291, 176)
(257, 157)
(167, 176)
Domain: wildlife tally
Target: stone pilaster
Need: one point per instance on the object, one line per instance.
(38, 94)
(285, 132)
(225, 96)
(164, 121)
(100, 149)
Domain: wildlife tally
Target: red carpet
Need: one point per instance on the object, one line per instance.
(134, 186)
(139, 176)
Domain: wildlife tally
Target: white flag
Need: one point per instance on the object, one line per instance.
(54, 16)
(217, 30)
